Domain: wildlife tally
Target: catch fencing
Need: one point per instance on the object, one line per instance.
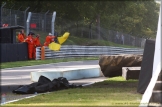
(38, 22)
(13, 17)
(42, 22)
(85, 51)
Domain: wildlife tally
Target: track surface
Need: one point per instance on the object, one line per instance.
(11, 78)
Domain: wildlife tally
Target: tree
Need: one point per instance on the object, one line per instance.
(133, 17)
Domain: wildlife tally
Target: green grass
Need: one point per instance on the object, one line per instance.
(111, 92)
(38, 62)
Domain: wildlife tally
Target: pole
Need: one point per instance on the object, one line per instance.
(1, 12)
(157, 62)
(0, 17)
(45, 20)
(53, 23)
(10, 14)
(25, 17)
(15, 20)
(20, 8)
(35, 9)
(160, 36)
(98, 26)
(28, 22)
(41, 11)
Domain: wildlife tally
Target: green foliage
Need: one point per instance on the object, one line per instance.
(138, 18)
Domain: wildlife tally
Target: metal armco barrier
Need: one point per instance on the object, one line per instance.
(84, 51)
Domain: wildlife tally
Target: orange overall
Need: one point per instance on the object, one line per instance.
(48, 40)
(24, 35)
(37, 44)
(30, 42)
(20, 38)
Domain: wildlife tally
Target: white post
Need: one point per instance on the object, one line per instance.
(157, 66)
(160, 35)
(53, 23)
(28, 22)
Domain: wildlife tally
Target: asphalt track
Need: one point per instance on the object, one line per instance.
(11, 78)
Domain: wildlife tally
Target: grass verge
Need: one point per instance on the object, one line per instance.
(111, 92)
(75, 40)
(38, 62)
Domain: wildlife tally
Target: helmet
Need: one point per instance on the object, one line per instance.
(31, 33)
(50, 34)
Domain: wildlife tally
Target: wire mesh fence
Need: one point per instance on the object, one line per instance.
(36, 22)
(86, 31)
(43, 22)
(40, 22)
(13, 17)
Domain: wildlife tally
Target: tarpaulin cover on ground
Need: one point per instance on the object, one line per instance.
(45, 85)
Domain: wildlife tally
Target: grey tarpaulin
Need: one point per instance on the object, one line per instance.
(146, 66)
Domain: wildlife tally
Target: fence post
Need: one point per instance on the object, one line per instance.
(0, 16)
(28, 22)
(45, 20)
(25, 17)
(1, 12)
(53, 23)
(98, 26)
(160, 39)
(11, 14)
(42, 25)
(20, 7)
(15, 19)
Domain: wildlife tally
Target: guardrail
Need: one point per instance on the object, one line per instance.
(84, 51)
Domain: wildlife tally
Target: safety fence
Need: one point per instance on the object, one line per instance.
(45, 23)
(83, 51)
(38, 22)
(84, 31)
(13, 17)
